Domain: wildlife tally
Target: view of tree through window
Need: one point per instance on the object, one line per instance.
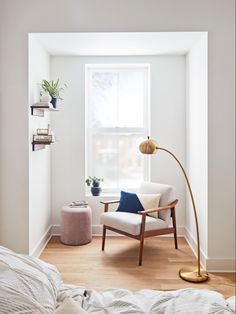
(117, 121)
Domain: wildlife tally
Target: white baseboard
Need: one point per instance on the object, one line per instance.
(193, 245)
(210, 264)
(97, 231)
(56, 230)
(39, 247)
(221, 265)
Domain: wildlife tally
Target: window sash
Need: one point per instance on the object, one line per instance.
(119, 130)
(142, 131)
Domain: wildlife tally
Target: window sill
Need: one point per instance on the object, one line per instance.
(103, 195)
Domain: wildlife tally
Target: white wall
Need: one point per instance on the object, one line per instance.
(14, 139)
(18, 18)
(39, 161)
(197, 141)
(167, 125)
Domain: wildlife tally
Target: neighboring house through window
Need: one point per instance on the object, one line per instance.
(117, 120)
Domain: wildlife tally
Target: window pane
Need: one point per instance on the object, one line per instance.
(117, 121)
(116, 99)
(103, 99)
(116, 158)
(131, 98)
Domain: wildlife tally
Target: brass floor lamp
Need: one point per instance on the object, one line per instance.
(190, 273)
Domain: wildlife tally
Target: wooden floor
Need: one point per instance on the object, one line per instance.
(117, 266)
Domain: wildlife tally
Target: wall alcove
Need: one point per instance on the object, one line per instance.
(173, 58)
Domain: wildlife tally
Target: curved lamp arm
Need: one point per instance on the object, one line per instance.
(187, 273)
(194, 208)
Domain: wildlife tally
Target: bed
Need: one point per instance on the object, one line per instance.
(29, 285)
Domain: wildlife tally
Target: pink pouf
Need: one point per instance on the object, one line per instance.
(76, 225)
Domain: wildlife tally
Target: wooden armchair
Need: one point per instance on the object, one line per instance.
(140, 226)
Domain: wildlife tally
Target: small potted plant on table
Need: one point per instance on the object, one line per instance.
(95, 182)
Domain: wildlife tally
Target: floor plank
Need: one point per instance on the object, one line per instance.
(117, 266)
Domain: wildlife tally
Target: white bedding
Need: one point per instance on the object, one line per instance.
(184, 301)
(30, 286)
(27, 284)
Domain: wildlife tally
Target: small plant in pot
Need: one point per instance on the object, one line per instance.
(54, 90)
(95, 182)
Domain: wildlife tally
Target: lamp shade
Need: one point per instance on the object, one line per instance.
(148, 146)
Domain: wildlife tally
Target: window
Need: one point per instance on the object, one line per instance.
(117, 102)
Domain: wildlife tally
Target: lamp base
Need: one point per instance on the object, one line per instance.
(191, 274)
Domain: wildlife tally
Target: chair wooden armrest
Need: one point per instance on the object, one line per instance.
(107, 203)
(153, 210)
(110, 202)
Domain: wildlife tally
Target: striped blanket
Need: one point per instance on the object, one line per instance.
(122, 301)
(31, 286)
(27, 285)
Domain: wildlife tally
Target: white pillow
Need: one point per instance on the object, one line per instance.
(30, 279)
(69, 306)
(150, 201)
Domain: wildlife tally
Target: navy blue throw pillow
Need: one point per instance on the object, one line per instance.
(130, 203)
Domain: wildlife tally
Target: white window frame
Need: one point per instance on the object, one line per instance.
(147, 120)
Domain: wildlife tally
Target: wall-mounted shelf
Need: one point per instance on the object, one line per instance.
(39, 110)
(40, 145)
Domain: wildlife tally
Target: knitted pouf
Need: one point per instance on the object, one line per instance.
(76, 225)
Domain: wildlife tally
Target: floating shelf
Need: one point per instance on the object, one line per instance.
(39, 111)
(40, 145)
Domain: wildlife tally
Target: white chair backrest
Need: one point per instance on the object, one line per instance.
(167, 196)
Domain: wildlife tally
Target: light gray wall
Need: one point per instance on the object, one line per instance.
(197, 142)
(167, 78)
(14, 137)
(18, 18)
(39, 161)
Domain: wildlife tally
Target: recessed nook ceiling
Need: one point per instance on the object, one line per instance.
(114, 44)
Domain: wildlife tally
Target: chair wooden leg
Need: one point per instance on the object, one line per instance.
(176, 242)
(141, 251)
(103, 237)
(142, 231)
(174, 225)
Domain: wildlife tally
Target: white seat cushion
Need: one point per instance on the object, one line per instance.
(131, 223)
